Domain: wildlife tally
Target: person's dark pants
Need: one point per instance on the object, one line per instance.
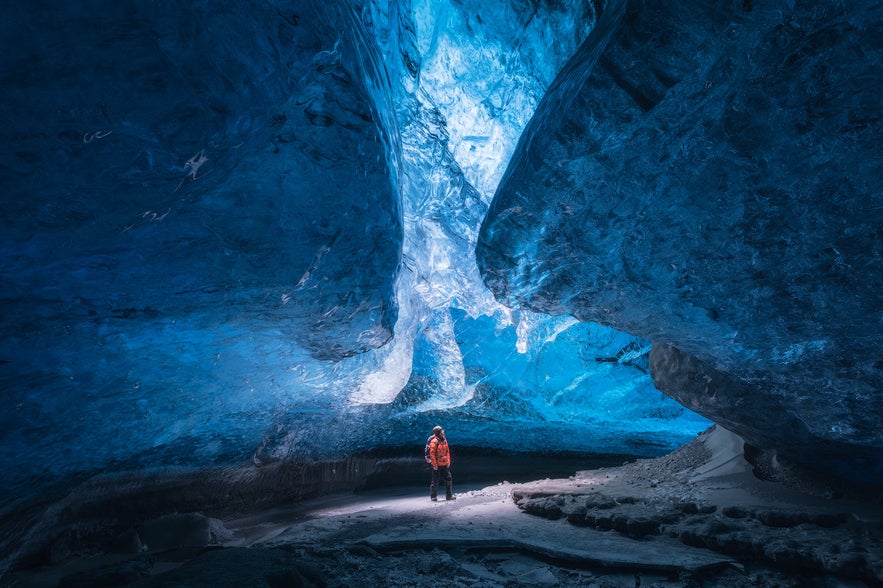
(442, 473)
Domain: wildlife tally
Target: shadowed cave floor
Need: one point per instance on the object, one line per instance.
(696, 517)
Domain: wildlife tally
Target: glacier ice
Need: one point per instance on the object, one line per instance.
(709, 179)
(246, 232)
(201, 215)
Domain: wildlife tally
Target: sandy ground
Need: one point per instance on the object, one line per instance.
(697, 517)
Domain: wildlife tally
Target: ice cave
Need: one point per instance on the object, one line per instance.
(628, 253)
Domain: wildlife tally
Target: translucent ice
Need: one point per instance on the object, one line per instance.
(247, 231)
(710, 180)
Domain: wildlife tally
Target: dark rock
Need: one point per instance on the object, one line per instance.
(668, 516)
(313, 576)
(123, 574)
(620, 523)
(779, 519)
(735, 512)
(789, 555)
(362, 551)
(642, 526)
(694, 539)
(602, 522)
(600, 502)
(829, 520)
(581, 518)
(181, 530)
(689, 508)
(547, 507)
(240, 567)
(737, 543)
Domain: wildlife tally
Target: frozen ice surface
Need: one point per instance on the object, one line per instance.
(201, 217)
(710, 180)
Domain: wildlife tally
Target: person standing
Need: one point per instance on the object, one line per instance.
(440, 458)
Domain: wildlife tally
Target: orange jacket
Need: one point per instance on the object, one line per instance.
(439, 453)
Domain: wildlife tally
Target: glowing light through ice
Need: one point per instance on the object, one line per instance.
(479, 82)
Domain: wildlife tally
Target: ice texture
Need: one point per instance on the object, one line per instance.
(708, 177)
(242, 232)
(201, 208)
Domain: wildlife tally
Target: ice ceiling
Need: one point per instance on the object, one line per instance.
(248, 231)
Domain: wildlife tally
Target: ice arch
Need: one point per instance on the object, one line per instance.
(247, 231)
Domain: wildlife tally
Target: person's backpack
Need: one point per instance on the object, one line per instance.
(426, 449)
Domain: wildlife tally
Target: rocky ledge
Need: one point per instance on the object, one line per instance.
(708, 495)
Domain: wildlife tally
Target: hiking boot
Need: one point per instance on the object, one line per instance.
(451, 498)
(434, 499)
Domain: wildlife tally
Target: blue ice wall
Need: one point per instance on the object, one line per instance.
(709, 178)
(234, 233)
(459, 357)
(200, 203)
